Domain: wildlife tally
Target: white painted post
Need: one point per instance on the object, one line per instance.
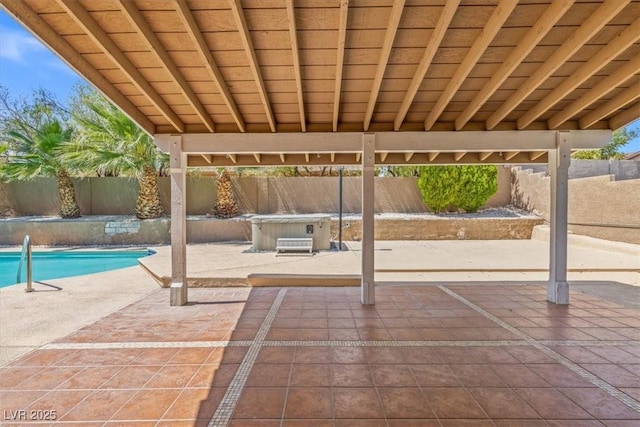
(368, 236)
(559, 161)
(178, 165)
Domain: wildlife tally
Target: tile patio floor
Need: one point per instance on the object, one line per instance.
(425, 355)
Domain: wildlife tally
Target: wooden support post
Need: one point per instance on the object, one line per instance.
(178, 165)
(559, 160)
(368, 237)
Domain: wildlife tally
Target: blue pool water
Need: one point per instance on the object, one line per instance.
(57, 264)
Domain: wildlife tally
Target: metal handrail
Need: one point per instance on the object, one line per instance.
(26, 255)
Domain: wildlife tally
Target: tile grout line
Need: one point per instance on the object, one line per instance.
(144, 344)
(227, 405)
(593, 379)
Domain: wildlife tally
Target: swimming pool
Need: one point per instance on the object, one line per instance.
(57, 264)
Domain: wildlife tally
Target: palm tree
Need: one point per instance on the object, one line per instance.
(110, 143)
(39, 152)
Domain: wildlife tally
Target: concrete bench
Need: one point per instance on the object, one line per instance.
(285, 244)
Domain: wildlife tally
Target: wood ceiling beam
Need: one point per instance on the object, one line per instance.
(408, 156)
(605, 86)
(141, 26)
(306, 157)
(615, 47)
(383, 156)
(293, 33)
(207, 158)
(43, 31)
(257, 157)
(598, 19)
(84, 19)
(510, 155)
(432, 47)
(458, 155)
(494, 24)
(358, 157)
(432, 156)
(233, 158)
(342, 37)
(536, 154)
(389, 37)
(333, 157)
(283, 158)
(245, 36)
(537, 32)
(484, 156)
(625, 117)
(624, 98)
(183, 10)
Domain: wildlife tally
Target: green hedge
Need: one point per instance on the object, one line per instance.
(457, 187)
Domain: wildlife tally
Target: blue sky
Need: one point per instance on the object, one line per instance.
(26, 65)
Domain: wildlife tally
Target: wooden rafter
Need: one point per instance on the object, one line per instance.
(586, 31)
(358, 157)
(432, 156)
(389, 37)
(306, 157)
(432, 47)
(293, 33)
(491, 28)
(257, 157)
(615, 47)
(141, 26)
(342, 37)
(459, 155)
(49, 37)
(510, 155)
(548, 19)
(182, 8)
(333, 157)
(207, 158)
(243, 30)
(111, 50)
(624, 98)
(233, 158)
(383, 156)
(283, 158)
(484, 156)
(536, 154)
(625, 117)
(408, 156)
(605, 86)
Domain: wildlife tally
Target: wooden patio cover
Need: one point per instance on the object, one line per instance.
(281, 82)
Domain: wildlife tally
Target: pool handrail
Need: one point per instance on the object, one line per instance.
(25, 255)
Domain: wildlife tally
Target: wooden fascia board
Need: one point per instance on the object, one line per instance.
(111, 50)
(291, 15)
(446, 16)
(389, 37)
(625, 117)
(604, 56)
(141, 26)
(544, 24)
(586, 31)
(43, 31)
(605, 86)
(342, 37)
(243, 30)
(624, 98)
(204, 51)
(494, 24)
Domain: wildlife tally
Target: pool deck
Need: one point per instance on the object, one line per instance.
(480, 347)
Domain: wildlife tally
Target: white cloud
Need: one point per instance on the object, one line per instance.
(17, 45)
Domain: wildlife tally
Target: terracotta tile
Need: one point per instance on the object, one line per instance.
(435, 334)
(154, 356)
(551, 404)
(374, 334)
(131, 377)
(260, 402)
(454, 355)
(402, 334)
(351, 375)
(574, 423)
(276, 355)
(397, 322)
(633, 392)
(414, 423)
(101, 405)
(223, 375)
(405, 403)
(17, 400)
(101, 357)
(308, 402)
(615, 355)
(348, 355)
(420, 355)
(502, 403)
(579, 354)
(147, 405)
(344, 334)
(11, 376)
(43, 358)
(466, 423)
(600, 404)
(491, 355)
(269, 375)
(434, 375)
(195, 404)
(90, 378)
(559, 376)
(393, 376)
(312, 355)
(452, 403)
(254, 423)
(233, 354)
(614, 375)
(383, 355)
(311, 375)
(357, 403)
(190, 356)
(474, 376)
(172, 376)
(517, 376)
(520, 423)
(307, 423)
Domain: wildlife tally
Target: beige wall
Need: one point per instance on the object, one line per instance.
(598, 206)
(258, 195)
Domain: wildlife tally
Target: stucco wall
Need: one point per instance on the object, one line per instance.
(598, 206)
(257, 195)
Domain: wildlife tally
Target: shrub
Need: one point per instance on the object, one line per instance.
(462, 187)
